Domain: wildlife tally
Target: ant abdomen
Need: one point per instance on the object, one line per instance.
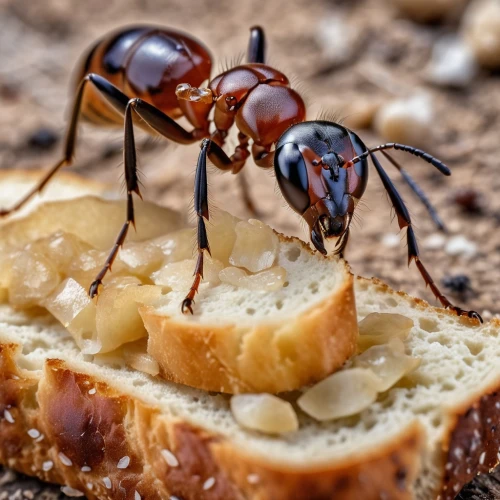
(147, 62)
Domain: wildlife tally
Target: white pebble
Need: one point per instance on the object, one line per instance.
(85, 468)
(209, 483)
(8, 416)
(107, 482)
(72, 492)
(170, 458)
(460, 245)
(452, 63)
(65, 460)
(123, 463)
(391, 240)
(434, 242)
(34, 433)
(46, 466)
(408, 120)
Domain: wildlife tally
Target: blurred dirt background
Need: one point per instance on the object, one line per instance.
(349, 58)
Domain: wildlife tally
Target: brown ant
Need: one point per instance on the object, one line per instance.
(321, 167)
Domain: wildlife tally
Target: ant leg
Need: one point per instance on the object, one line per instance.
(201, 208)
(256, 46)
(132, 183)
(404, 220)
(418, 191)
(69, 148)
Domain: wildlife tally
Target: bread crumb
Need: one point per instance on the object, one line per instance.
(34, 433)
(85, 468)
(209, 483)
(46, 466)
(8, 416)
(65, 460)
(124, 462)
(107, 482)
(170, 458)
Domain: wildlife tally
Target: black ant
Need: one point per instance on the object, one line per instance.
(155, 74)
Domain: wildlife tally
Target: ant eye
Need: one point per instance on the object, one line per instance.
(291, 174)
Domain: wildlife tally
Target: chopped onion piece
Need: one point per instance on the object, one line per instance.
(268, 280)
(256, 246)
(379, 328)
(389, 363)
(264, 412)
(345, 393)
(136, 356)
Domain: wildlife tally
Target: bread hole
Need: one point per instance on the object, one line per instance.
(279, 304)
(468, 361)
(292, 254)
(313, 287)
(391, 302)
(250, 311)
(474, 347)
(448, 386)
(429, 325)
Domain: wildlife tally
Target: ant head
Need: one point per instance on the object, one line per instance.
(314, 173)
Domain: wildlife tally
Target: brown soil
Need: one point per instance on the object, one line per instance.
(40, 43)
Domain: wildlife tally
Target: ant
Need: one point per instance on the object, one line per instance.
(154, 74)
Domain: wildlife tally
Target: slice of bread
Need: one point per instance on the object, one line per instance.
(239, 340)
(427, 436)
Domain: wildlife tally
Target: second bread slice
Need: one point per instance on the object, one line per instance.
(260, 341)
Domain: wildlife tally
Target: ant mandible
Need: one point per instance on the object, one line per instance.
(321, 167)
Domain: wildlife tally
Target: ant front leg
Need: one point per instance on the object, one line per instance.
(211, 150)
(404, 220)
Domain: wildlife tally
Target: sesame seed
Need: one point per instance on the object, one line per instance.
(107, 482)
(65, 460)
(497, 405)
(8, 416)
(34, 433)
(173, 497)
(456, 488)
(90, 486)
(124, 462)
(209, 483)
(488, 420)
(253, 478)
(475, 417)
(170, 458)
(482, 457)
(71, 492)
(477, 433)
(137, 496)
(46, 466)
(498, 456)
(468, 470)
(85, 468)
(92, 391)
(458, 452)
(28, 494)
(39, 438)
(15, 377)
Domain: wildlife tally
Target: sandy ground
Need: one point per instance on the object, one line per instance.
(40, 43)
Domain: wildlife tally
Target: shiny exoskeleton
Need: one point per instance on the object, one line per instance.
(155, 74)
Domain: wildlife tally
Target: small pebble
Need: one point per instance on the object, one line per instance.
(391, 240)
(481, 29)
(460, 245)
(434, 242)
(452, 63)
(408, 120)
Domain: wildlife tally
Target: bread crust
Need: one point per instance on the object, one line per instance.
(97, 430)
(272, 357)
